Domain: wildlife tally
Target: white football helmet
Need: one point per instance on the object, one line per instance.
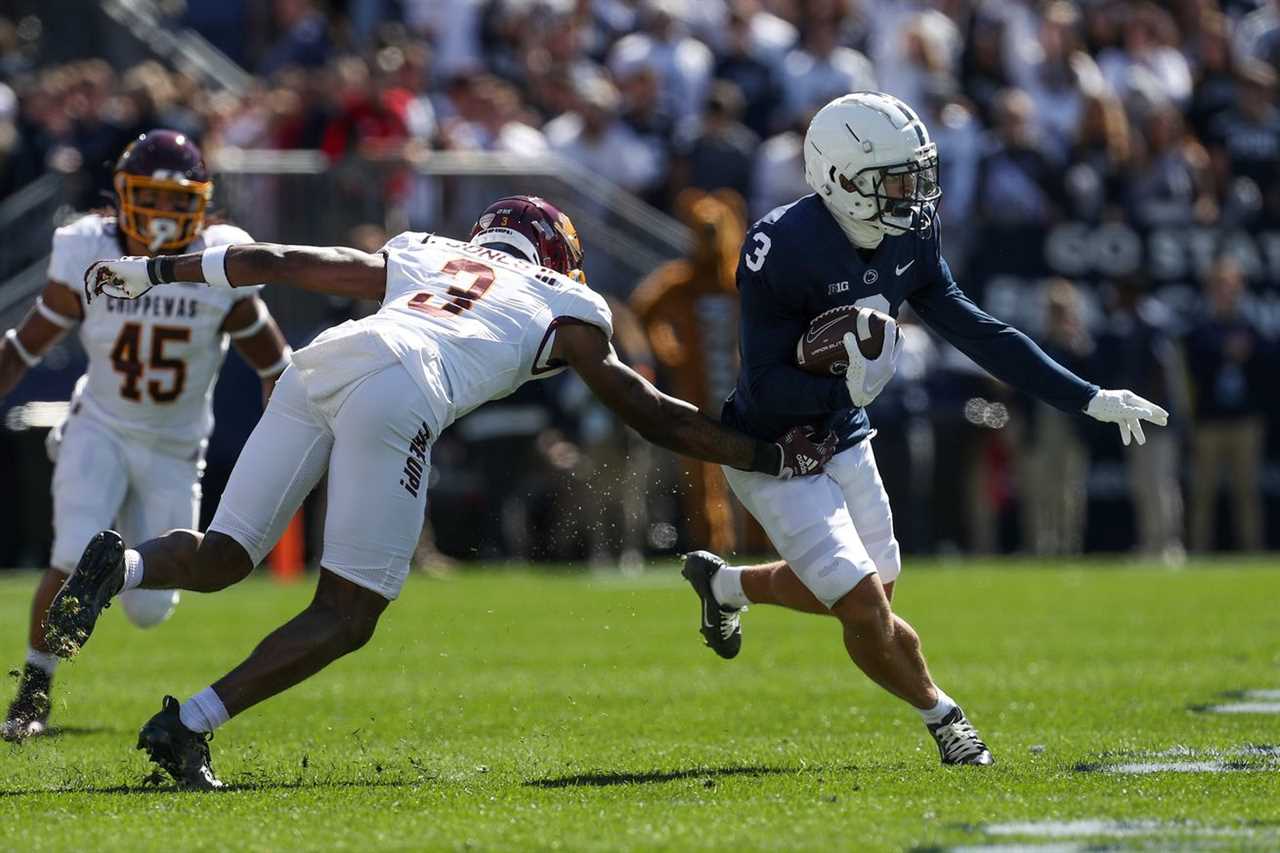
(869, 158)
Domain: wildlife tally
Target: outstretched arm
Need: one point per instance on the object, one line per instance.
(1012, 357)
(56, 310)
(675, 424)
(334, 270)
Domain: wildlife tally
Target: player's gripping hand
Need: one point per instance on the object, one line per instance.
(801, 455)
(126, 278)
(866, 377)
(1128, 410)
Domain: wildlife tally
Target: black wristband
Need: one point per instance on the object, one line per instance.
(162, 269)
(767, 458)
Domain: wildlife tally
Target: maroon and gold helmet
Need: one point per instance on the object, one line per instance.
(162, 189)
(535, 229)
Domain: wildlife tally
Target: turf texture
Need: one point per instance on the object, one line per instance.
(533, 710)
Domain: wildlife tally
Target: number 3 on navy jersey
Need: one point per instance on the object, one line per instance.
(755, 260)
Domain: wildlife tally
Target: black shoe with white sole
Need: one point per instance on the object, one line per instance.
(180, 752)
(958, 741)
(98, 577)
(29, 714)
(721, 626)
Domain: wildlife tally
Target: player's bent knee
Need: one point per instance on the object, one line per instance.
(865, 608)
(221, 561)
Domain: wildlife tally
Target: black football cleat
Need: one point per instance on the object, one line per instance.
(29, 714)
(958, 741)
(721, 626)
(180, 752)
(98, 577)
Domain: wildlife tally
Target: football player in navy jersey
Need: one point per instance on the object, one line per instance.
(869, 236)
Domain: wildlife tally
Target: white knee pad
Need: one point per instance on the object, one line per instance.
(147, 608)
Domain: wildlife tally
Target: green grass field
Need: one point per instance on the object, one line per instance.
(511, 710)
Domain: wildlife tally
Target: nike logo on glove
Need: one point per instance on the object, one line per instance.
(900, 270)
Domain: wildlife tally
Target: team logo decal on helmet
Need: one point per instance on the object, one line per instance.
(162, 190)
(870, 159)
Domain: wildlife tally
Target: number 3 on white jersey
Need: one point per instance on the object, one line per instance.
(755, 260)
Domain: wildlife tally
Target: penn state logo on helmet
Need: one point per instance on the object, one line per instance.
(162, 190)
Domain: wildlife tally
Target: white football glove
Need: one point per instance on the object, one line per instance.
(1128, 410)
(126, 278)
(865, 377)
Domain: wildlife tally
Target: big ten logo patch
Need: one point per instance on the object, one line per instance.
(416, 462)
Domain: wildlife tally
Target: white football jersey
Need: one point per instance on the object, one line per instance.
(153, 360)
(471, 324)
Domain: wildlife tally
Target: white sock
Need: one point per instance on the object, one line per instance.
(132, 570)
(935, 715)
(203, 712)
(46, 661)
(726, 586)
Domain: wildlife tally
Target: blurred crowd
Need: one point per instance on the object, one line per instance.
(1156, 115)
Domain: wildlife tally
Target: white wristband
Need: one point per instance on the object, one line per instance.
(251, 329)
(279, 366)
(60, 320)
(27, 358)
(213, 265)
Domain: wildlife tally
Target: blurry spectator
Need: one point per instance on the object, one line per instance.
(681, 63)
(717, 151)
(1172, 183)
(958, 135)
(912, 47)
(1245, 140)
(778, 177)
(304, 37)
(1135, 348)
(491, 119)
(983, 74)
(1099, 160)
(1215, 83)
(453, 29)
(1258, 35)
(1230, 374)
(1017, 184)
(643, 112)
(1059, 81)
(755, 78)
(595, 137)
(372, 113)
(1148, 64)
(820, 68)
(1056, 465)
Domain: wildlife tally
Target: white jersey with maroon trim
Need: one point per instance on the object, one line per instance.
(153, 361)
(470, 324)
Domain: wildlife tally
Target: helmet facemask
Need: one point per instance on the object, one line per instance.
(163, 214)
(897, 198)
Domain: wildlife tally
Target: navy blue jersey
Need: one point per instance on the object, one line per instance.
(797, 262)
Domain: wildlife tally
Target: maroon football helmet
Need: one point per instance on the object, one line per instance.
(535, 229)
(162, 190)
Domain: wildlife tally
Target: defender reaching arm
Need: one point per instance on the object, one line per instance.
(666, 421)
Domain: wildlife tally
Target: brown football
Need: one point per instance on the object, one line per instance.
(821, 350)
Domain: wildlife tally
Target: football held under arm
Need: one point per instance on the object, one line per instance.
(769, 331)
